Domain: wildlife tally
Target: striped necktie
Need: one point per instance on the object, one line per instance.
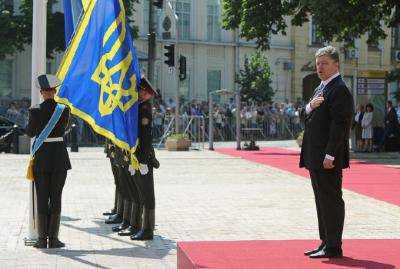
(319, 91)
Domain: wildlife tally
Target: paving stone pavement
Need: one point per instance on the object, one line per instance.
(200, 195)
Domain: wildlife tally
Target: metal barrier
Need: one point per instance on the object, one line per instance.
(193, 126)
(277, 127)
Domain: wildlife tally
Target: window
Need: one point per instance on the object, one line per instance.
(213, 82)
(396, 37)
(372, 45)
(213, 20)
(314, 38)
(182, 9)
(5, 78)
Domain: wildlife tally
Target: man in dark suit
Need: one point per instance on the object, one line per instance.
(391, 124)
(325, 150)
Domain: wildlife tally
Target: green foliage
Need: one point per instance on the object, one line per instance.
(11, 37)
(16, 27)
(255, 79)
(340, 20)
(394, 75)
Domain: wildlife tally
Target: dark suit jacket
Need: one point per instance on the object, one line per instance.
(53, 156)
(391, 122)
(327, 128)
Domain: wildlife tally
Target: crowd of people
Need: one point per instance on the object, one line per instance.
(15, 110)
(371, 135)
(271, 119)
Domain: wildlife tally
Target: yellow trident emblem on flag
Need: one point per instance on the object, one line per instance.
(112, 92)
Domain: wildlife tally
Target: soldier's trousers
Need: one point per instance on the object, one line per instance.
(146, 188)
(49, 188)
(126, 184)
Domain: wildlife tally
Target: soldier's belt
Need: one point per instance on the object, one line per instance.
(53, 139)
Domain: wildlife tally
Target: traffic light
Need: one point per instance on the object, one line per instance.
(182, 67)
(170, 54)
(158, 3)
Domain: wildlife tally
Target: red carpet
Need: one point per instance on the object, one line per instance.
(361, 254)
(374, 180)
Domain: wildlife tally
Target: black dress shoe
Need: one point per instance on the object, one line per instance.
(55, 243)
(327, 253)
(128, 231)
(121, 227)
(143, 235)
(308, 253)
(108, 213)
(114, 219)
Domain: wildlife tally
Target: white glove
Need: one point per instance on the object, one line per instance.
(144, 169)
(131, 170)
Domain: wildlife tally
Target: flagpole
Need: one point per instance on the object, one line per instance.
(38, 67)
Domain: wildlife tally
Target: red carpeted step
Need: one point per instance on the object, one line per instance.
(374, 180)
(286, 254)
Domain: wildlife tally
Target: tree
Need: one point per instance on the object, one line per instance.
(255, 79)
(16, 27)
(394, 75)
(11, 38)
(342, 20)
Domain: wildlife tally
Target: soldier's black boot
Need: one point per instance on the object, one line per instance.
(54, 227)
(146, 233)
(125, 217)
(135, 221)
(117, 218)
(42, 232)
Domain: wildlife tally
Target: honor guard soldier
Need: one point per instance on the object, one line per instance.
(132, 217)
(109, 151)
(146, 158)
(51, 162)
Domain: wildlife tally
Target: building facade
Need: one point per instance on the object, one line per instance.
(211, 56)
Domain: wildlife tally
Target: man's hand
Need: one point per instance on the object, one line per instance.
(328, 164)
(144, 169)
(316, 102)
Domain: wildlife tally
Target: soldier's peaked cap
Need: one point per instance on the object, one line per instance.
(145, 85)
(47, 82)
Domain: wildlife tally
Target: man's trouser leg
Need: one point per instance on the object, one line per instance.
(146, 186)
(329, 185)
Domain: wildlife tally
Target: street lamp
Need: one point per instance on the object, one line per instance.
(210, 114)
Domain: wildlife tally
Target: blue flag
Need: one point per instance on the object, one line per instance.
(72, 12)
(100, 74)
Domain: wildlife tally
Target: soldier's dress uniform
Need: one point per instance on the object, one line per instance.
(115, 216)
(127, 188)
(133, 216)
(137, 190)
(51, 163)
(145, 156)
